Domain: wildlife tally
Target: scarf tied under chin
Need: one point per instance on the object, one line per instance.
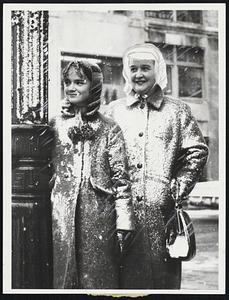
(85, 132)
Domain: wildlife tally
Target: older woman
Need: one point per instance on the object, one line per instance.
(163, 143)
(91, 195)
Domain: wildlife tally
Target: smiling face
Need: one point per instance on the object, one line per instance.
(76, 87)
(142, 74)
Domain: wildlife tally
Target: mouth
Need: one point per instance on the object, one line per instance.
(140, 81)
(74, 95)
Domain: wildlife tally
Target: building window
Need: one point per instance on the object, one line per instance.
(167, 52)
(190, 71)
(112, 70)
(185, 71)
(190, 82)
(168, 89)
(191, 16)
(190, 54)
(121, 12)
(159, 14)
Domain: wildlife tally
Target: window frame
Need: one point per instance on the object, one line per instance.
(174, 21)
(202, 83)
(174, 64)
(201, 17)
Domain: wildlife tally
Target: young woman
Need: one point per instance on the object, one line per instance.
(91, 202)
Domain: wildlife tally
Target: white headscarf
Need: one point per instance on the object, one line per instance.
(145, 51)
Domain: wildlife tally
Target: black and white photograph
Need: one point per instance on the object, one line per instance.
(114, 148)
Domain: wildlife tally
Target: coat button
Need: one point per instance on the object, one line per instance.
(139, 198)
(139, 166)
(66, 176)
(140, 134)
(142, 105)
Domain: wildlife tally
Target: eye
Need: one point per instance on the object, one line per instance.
(145, 68)
(80, 82)
(133, 69)
(67, 82)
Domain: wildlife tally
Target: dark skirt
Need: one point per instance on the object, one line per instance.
(141, 270)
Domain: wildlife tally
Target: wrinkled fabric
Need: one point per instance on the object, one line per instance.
(163, 142)
(90, 200)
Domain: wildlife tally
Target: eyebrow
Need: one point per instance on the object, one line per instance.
(145, 65)
(80, 80)
(76, 80)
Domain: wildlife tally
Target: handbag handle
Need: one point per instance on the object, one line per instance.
(175, 191)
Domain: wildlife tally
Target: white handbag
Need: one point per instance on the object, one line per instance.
(180, 225)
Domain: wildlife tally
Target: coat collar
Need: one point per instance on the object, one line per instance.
(155, 97)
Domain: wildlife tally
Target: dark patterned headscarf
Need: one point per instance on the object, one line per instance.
(94, 74)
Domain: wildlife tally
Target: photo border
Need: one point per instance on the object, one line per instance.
(7, 215)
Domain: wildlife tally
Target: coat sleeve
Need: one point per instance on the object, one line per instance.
(120, 180)
(192, 155)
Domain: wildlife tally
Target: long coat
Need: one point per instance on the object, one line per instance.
(90, 200)
(163, 142)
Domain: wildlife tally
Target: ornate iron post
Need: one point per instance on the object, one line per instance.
(31, 218)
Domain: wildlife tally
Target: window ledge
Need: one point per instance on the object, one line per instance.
(185, 26)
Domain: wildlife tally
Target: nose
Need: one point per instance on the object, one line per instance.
(71, 87)
(138, 73)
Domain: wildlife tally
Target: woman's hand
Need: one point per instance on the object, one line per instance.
(125, 239)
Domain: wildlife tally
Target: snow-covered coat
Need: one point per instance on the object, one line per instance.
(163, 142)
(90, 200)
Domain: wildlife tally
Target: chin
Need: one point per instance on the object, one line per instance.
(140, 91)
(76, 101)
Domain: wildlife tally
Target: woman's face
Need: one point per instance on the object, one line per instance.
(142, 74)
(76, 87)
